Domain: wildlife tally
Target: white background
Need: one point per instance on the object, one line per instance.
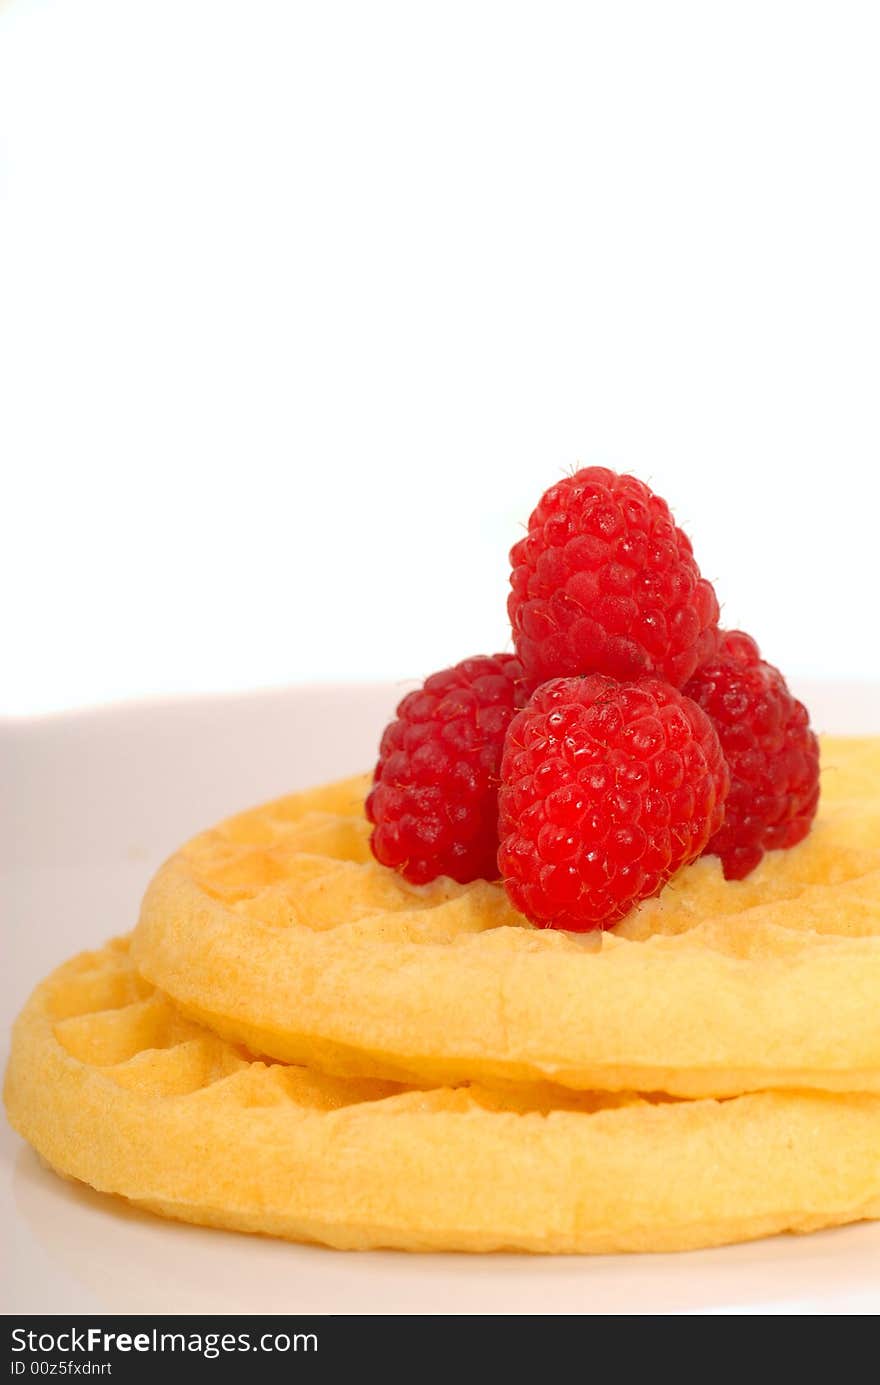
(302, 305)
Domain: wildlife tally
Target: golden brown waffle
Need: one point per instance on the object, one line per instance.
(279, 930)
(112, 1086)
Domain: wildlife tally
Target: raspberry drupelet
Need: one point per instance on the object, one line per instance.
(434, 800)
(772, 753)
(607, 789)
(604, 582)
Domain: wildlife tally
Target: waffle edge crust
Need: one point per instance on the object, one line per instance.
(114, 1087)
(279, 931)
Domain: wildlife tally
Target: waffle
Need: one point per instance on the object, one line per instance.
(114, 1087)
(278, 930)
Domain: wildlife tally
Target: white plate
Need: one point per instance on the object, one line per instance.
(94, 801)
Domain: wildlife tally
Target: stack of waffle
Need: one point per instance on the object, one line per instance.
(297, 1042)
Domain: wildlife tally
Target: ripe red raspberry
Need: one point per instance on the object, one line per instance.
(772, 754)
(606, 790)
(434, 800)
(605, 583)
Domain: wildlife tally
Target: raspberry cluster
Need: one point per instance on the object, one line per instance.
(625, 737)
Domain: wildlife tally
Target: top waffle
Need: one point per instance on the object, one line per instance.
(278, 929)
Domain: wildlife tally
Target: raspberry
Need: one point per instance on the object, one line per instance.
(772, 754)
(606, 790)
(605, 583)
(434, 800)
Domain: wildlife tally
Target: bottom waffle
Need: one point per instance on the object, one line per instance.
(112, 1086)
